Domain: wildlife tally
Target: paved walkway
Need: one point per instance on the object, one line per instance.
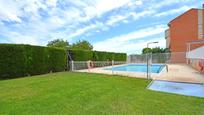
(181, 73)
(177, 72)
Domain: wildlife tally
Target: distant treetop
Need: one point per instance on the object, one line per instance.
(79, 45)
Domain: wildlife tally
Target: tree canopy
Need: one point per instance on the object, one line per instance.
(59, 43)
(79, 45)
(82, 45)
(155, 50)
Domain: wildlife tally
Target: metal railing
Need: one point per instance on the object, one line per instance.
(160, 66)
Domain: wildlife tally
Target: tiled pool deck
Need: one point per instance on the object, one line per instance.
(176, 72)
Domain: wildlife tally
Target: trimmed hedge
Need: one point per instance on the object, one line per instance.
(103, 56)
(120, 56)
(84, 55)
(81, 55)
(24, 60)
(17, 60)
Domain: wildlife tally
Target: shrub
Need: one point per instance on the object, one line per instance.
(81, 55)
(23, 60)
(57, 59)
(120, 56)
(85, 55)
(12, 61)
(103, 56)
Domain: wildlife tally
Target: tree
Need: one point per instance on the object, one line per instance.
(155, 50)
(146, 50)
(59, 43)
(167, 50)
(83, 45)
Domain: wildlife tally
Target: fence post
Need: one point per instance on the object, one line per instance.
(150, 66)
(112, 66)
(147, 66)
(149, 59)
(72, 65)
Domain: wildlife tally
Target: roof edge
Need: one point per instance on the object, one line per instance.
(184, 13)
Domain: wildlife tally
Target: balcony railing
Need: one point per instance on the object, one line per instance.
(166, 33)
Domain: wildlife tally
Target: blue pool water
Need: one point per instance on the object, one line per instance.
(178, 88)
(155, 68)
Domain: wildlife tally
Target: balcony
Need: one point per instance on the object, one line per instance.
(167, 37)
(166, 33)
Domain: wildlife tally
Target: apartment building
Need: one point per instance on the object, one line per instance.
(188, 27)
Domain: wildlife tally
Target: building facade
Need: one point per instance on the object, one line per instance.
(188, 27)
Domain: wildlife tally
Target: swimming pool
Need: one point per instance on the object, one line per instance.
(155, 68)
(188, 89)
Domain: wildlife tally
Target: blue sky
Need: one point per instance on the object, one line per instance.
(109, 25)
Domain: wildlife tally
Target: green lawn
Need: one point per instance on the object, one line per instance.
(82, 93)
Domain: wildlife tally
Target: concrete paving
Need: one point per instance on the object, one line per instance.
(176, 72)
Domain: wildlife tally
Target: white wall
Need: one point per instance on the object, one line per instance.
(196, 53)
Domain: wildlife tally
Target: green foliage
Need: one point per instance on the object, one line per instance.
(85, 55)
(167, 50)
(146, 50)
(103, 56)
(81, 55)
(36, 60)
(82, 45)
(57, 59)
(155, 50)
(120, 56)
(59, 43)
(24, 60)
(12, 61)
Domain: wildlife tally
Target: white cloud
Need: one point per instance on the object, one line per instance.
(68, 20)
(133, 47)
(14, 37)
(122, 43)
(164, 3)
(82, 30)
(51, 3)
(103, 6)
(129, 15)
(115, 19)
(173, 11)
(71, 18)
(9, 12)
(142, 14)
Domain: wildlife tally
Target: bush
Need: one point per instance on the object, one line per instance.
(24, 60)
(57, 59)
(12, 61)
(103, 56)
(120, 56)
(85, 55)
(81, 55)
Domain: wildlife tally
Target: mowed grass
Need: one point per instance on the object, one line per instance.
(90, 94)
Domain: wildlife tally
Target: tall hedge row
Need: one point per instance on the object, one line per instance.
(83, 55)
(24, 60)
